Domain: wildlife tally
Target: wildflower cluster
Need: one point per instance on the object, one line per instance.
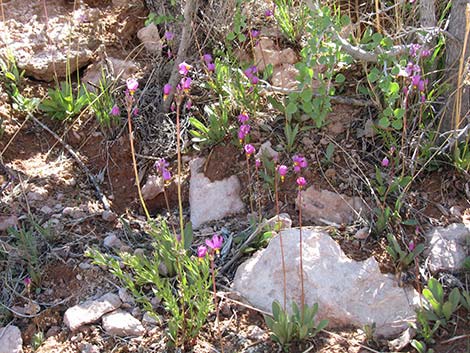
(209, 63)
(250, 73)
(414, 79)
(214, 244)
(183, 86)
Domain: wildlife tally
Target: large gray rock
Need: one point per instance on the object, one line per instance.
(10, 340)
(90, 311)
(210, 201)
(348, 292)
(121, 323)
(329, 207)
(448, 247)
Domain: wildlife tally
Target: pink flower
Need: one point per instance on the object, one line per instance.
(243, 118)
(282, 170)
(243, 131)
(132, 85)
(189, 104)
(215, 243)
(257, 163)
(301, 182)
(385, 162)
(201, 252)
(207, 58)
(186, 83)
(425, 53)
(27, 281)
(169, 35)
(414, 49)
(254, 33)
(411, 246)
(184, 68)
(161, 166)
(135, 111)
(166, 91)
(254, 80)
(249, 149)
(268, 13)
(211, 67)
(299, 163)
(115, 111)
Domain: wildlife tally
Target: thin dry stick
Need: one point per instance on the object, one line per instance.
(284, 279)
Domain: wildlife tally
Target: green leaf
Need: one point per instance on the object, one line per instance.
(188, 235)
(291, 108)
(397, 124)
(340, 78)
(384, 122)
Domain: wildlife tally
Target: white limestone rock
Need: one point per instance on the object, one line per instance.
(10, 340)
(121, 323)
(348, 292)
(90, 311)
(448, 247)
(210, 201)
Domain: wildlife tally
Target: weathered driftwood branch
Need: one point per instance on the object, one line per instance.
(189, 11)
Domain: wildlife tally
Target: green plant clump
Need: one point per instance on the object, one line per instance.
(184, 287)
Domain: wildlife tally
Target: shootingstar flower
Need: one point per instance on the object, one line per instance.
(161, 166)
(115, 111)
(254, 33)
(166, 91)
(184, 68)
(249, 149)
(207, 58)
(243, 131)
(211, 67)
(201, 252)
(301, 182)
(215, 243)
(132, 85)
(385, 162)
(169, 35)
(282, 170)
(299, 163)
(186, 83)
(243, 118)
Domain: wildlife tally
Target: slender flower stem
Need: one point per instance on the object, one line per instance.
(302, 293)
(134, 162)
(216, 303)
(284, 279)
(249, 182)
(259, 196)
(178, 152)
(169, 210)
